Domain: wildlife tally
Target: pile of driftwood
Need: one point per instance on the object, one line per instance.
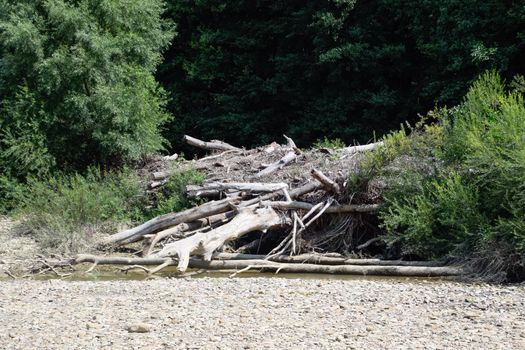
(278, 188)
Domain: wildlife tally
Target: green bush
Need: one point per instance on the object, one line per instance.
(329, 143)
(437, 221)
(65, 213)
(458, 188)
(172, 199)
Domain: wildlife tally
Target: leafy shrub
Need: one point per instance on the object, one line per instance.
(172, 199)
(437, 221)
(329, 143)
(458, 188)
(65, 213)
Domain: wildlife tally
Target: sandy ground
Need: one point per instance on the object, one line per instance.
(250, 313)
(260, 313)
(17, 251)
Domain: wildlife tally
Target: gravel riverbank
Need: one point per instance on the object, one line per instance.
(260, 313)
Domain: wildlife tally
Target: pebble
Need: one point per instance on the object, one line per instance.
(139, 328)
(260, 313)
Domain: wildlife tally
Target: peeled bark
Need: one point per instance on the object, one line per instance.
(205, 243)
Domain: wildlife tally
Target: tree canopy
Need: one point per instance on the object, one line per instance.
(248, 71)
(77, 83)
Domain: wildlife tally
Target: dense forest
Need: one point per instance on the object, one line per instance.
(89, 88)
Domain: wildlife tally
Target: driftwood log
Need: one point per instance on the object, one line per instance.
(205, 243)
(267, 265)
(212, 145)
(168, 220)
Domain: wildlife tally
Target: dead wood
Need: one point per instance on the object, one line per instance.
(212, 145)
(302, 198)
(205, 243)
(168, 220)
(362, 148)
(161, 175)
(172, 157)
(288, 158)
(368, 243)
(215, 188)
(333, 209)
(393, 270)
(324, 260)
(292, 144)
(295, 193)
(183, 230)
(329, 184)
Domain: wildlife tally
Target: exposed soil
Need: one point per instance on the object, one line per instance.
(18, 251)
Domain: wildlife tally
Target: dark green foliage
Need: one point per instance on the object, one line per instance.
(77, 84)
(463, 194)
(249, 71)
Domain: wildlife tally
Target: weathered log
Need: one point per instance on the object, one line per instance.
(211, 145)
(329, 184)
(205, 243)
(333, 209)
(194, 191)
(172, 157)
(368, 243)
(362, 148)
(186, 228)
(168, 220)
(161, 175)
(394, 270)
(288, 158)
(295, 193)
(156, 184)
(412, 271)
(323, 260)
(292, 144)
(218, 155)
(217, 187)
(253, 245)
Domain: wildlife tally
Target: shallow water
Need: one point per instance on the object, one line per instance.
(112, 275)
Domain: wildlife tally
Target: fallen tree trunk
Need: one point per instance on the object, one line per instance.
(217, 187)
(329, 184)
(324, 260)
(295, 193)
(168, 220)
(362, 148)
(205, 243)
(211, 145)
(288, 158)
(185, 228)
(412, 271)
(333, 209)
